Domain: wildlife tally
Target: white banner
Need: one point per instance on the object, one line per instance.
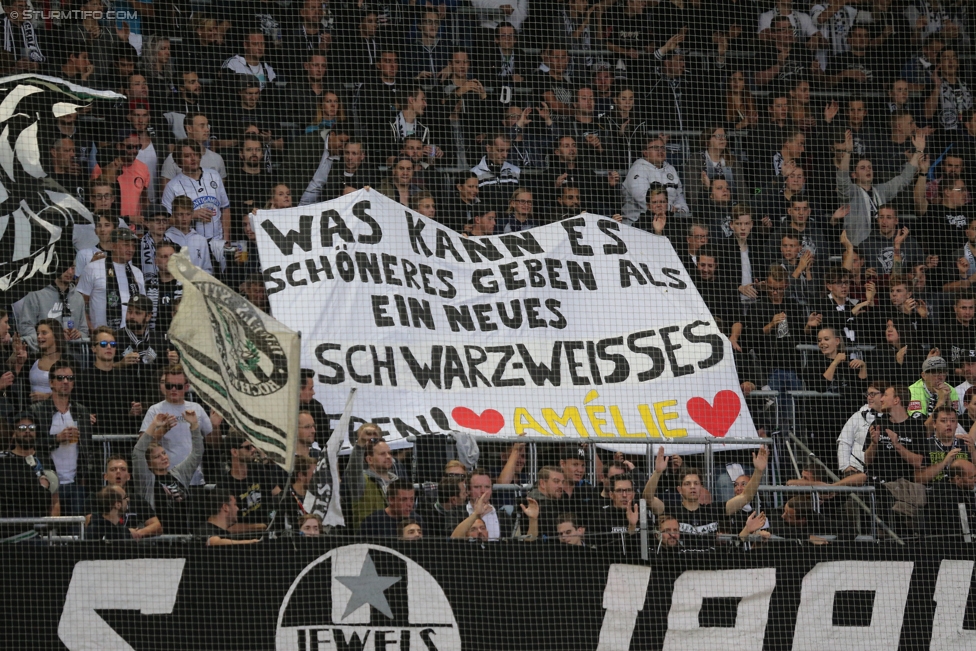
(239, 360)
(581, 329)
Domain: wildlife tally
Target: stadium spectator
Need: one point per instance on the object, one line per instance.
(410, 530)
(101, 387)
(401, 499)
(368, 474)
(441, 516)
(61, 301)
(944, 446)
(308, 402)
(499, 522)
(252, 62)
(866, 197)
(653, 167)
(137, 516)
(177, 437)
(399, 186)
(167, 488)
(621, 515)
(932, 392)
(248, 480)
(108, 522)
(853, 436)
(290, 504)
(310, 525)
(354, 175)
(28, 488)
(497, 178)
(669, 534)
(570, 530)
(162, 288)
(64, 425)
(549, 493)
(197, 127)
(222, 513)
(701, 521)
(211, 207)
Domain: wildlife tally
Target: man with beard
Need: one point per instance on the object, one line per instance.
(223, 510)
(28, 489)
(497, 178)
(549, 493)
(188, 103)
(141, 349)
(249, 183)
(250, 482)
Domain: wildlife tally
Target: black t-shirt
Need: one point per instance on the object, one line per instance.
(108, 396)
(944, 229)
(609, 519)
(102, 529)
(935, 452)
(164, 296)
(21, 494)
(208, 530)
(888, 465)
(626, 31)
(700, 525)
(956, 341)
(253, 494)
(172, 502)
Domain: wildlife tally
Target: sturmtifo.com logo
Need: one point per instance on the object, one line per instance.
(366, 597)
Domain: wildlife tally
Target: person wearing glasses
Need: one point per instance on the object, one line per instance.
(64, 431)
(103, 389)
(653, 167)
(249, 481)
(28, 487)
(177, 441)
(621, 515)
(519, 217)
(109, 524)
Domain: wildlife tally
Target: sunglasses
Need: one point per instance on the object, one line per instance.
(106, 344)
(64, 378)
(171, 386)
(27, 428)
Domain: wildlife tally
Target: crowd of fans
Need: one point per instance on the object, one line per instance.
(810, 165)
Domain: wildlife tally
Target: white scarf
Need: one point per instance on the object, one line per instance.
(28, 36)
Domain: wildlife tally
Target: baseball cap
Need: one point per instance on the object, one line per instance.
(934, 364)
(120, 234)
(141, 302)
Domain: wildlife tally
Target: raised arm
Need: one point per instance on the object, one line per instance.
(927, 474)
(185, 469)
(507, 475)
(660, 465)
(759, 462)
(478, 509)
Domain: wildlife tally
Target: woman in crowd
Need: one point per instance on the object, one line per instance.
(626, 133)
(399, 185)
(740, 109)
(51, 344)
(157, 66)
(280, 197)
(714, 161)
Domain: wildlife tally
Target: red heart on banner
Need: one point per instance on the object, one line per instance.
(488, 421)
(718, 418)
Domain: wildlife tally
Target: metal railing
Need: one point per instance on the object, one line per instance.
(51, 523)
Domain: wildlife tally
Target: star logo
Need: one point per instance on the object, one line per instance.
(368, 588)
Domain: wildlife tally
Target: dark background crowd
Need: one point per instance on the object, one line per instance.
(810, 163)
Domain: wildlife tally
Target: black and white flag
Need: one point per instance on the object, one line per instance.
(239, 360)
(322, 497)
(37, 214)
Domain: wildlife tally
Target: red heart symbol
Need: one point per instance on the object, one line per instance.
(489, 421)
(716, 420)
